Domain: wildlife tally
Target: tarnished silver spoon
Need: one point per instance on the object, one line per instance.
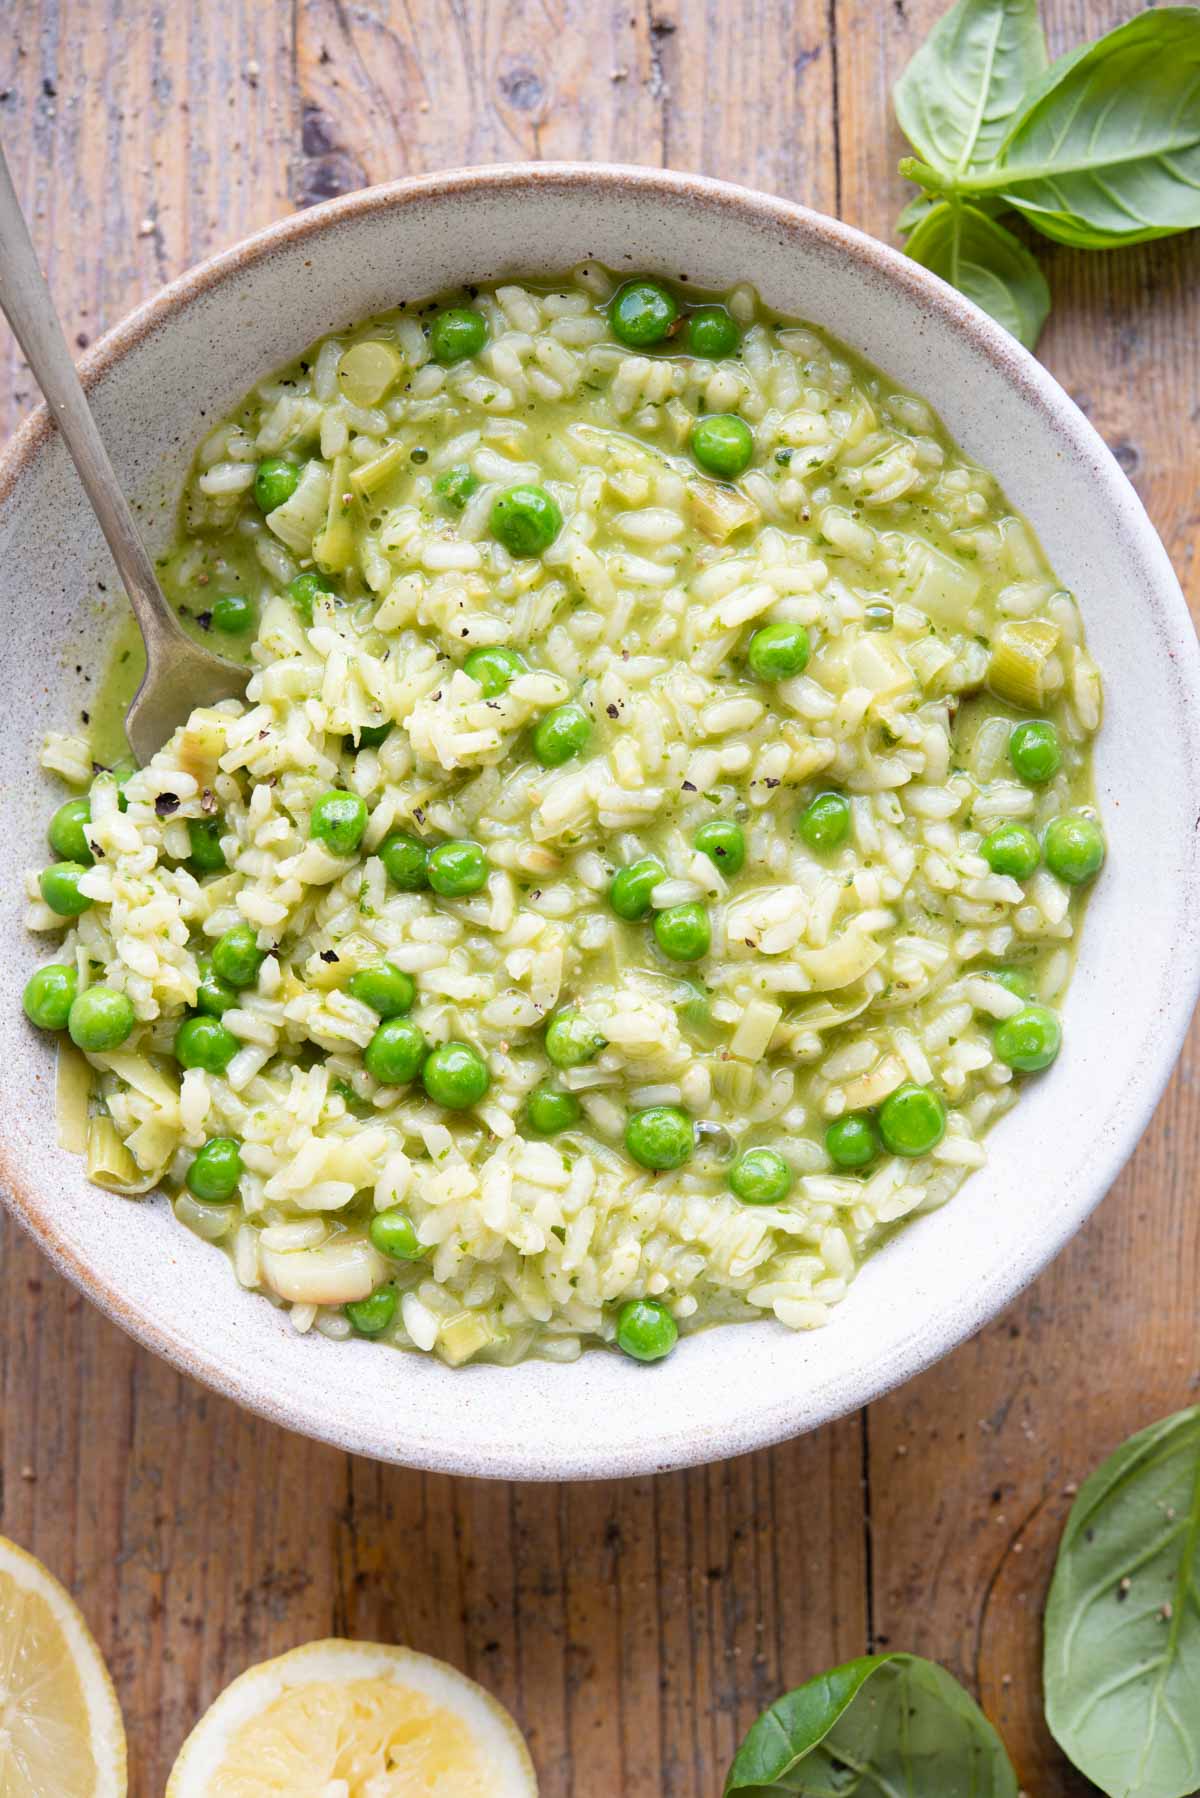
(179, 674)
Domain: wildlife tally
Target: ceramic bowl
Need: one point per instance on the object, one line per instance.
(182, 360)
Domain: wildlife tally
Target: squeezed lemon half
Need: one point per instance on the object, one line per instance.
(61, 1734)
(354, 1720)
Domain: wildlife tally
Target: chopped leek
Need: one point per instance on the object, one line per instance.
(1024, 668)
(367, 370)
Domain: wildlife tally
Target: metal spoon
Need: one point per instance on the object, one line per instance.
(179, 674)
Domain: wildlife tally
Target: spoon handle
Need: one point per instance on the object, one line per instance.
(26, 302)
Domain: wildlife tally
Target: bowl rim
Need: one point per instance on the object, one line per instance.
(1034, 384)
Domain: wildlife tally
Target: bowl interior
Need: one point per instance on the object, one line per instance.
(180, 363)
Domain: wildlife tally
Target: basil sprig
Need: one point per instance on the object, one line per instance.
(1097, 150)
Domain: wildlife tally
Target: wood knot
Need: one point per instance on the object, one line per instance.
(522, 87)
(327, 168)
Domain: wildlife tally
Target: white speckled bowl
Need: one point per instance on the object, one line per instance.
(182, 360)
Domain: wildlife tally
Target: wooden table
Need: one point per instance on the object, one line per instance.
(635, 1629)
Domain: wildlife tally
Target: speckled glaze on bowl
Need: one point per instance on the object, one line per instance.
(185, 358)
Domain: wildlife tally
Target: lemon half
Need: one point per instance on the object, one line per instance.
(359, 1720)
(61, 1734)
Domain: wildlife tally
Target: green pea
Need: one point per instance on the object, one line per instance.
(204, 1042)
(571, 1040)
(683, 932)
(100, 1019)
(455, 1075)
(548, 1110)
(646, 1331)
(395, 1053)
(1034, 752)
(850, 1141)
(526, 520)
(371, 1316)
(236, 956)
(338, 820)
(711, 332)
(66, 833)
(395, 1235)
(406, 859)
(215, 1171)
(456, 486)
(456, 334)
(213, 995)
(59, 885)
(204, 841)
(234, 613)
(631, 887)
(457, 868)
(49, 994)
(912, 1120)
(370, 736)
(561, 734)
(723, 445)
(641, 313)
(723, 843)
(1074, 848)
(660, 1137)
(274, 482)
(386, 989)
(778, 651)
(494, 667)
(303, 590)
(824, 824)
(1011, 849)
(1029, 1040)
(760, 1177)
(1013, 980)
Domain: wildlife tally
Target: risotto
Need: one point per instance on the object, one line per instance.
(647, 859)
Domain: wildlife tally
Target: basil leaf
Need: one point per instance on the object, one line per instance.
(1122, 1650)
(987, 263)
(918, 208)
(957, 98)
(878, 1727)
(1107, 151)
(921, 205)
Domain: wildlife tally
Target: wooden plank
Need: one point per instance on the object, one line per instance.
(969, 1465)
(635, 1628)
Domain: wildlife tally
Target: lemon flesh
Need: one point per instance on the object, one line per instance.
(61, 1734)
(358, 1721)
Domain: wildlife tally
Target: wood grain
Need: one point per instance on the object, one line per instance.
(637, 1628)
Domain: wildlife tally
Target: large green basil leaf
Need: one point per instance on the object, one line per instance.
(1107, 150)
(886, 1726)
(1122, 1651)
(987, 263)
(958, 97)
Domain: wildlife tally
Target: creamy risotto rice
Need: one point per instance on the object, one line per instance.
(648, 857)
